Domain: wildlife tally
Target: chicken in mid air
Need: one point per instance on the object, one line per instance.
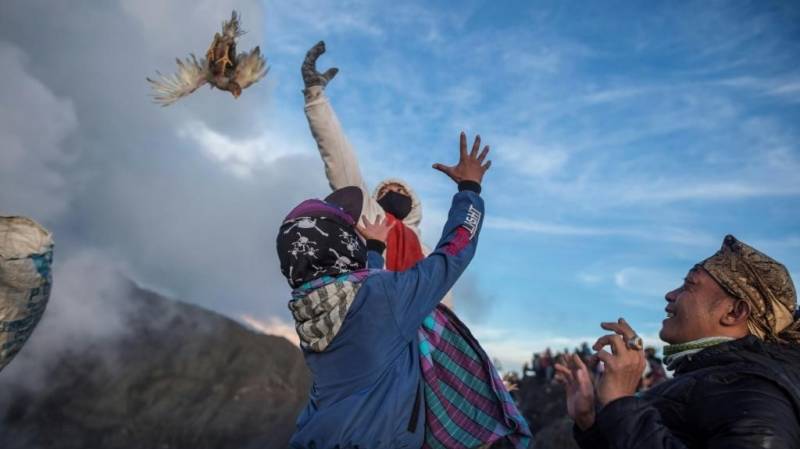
(221, 68)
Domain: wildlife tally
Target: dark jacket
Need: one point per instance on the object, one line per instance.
(740, 394)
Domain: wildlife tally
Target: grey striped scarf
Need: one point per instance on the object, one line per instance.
(319, 315)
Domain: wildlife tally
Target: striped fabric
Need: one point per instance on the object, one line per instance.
(466, 403)
(320, 306)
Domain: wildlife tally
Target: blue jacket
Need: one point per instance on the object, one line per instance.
(367, 390)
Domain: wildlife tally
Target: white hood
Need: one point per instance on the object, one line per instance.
(414, 217)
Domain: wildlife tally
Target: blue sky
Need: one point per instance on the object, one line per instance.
(628, 139)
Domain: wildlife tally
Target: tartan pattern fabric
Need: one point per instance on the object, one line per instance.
(466, 403)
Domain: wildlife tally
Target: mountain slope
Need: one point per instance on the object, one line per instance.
(178, 377)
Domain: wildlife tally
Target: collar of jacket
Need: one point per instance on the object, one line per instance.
(775, 362)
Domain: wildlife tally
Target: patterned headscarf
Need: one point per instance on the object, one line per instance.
(318, 239)
(748, 274)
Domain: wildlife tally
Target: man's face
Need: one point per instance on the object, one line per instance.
(694, 309)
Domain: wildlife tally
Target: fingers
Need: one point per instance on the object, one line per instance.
(483, 154)
(565, 373)
(621, 327)
(613, 340)
(314, 52)
(463, 145)
(475, 147)
(486, 166)
(330, 73)
(605, 356)
(446, 170)
(579, 363)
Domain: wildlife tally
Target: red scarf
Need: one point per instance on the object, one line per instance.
(403, 249)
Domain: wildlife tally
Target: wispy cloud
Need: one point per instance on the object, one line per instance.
(272, 326)
(664, 234)
(240, 156)
(645, 281)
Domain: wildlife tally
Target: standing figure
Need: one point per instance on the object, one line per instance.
(392, 198)
(442, 338)
(358, 327)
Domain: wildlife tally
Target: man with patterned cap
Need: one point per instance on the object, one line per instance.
(733, 340)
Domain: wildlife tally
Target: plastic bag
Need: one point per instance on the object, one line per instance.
(26, 254)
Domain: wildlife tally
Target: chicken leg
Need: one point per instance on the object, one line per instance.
(225, 60)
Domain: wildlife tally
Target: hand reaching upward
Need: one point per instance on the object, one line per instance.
(470, 165)
(311, 77)
(379, 230)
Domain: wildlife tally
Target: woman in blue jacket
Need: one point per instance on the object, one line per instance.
(358, 327)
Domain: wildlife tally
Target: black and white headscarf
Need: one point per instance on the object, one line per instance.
(311, 246)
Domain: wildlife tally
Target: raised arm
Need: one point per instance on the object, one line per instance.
(417, 291)
(341, 164)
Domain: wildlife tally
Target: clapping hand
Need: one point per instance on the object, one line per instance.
(624, 365)
(577, 382)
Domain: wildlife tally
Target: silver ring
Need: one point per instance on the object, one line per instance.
(636, 343)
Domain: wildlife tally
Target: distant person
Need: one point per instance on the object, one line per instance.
(548, 364)
(654, 372)
(393, 198)
(735, 348)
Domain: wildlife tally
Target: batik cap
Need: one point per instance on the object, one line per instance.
(748, 274)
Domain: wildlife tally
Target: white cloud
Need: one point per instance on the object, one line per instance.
(33, 129)
(240, 156)
(787, 89)
(272, 326)
(591, 278)
(646, 281)
(664, 234)
(676, 190)
(88, 304)
(514, 348)
(527, 157)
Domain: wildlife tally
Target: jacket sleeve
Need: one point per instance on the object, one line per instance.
(748, 413)
(448, 297)
(341, 164)
(416, 292)
(590, 438)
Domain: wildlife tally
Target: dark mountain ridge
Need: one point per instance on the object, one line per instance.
(179, 377)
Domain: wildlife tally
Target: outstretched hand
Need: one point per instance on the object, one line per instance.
(470, 165)
(574, 376)
(311, 77)
(379, 230)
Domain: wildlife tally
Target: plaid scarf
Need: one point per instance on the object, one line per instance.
(466, 403)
